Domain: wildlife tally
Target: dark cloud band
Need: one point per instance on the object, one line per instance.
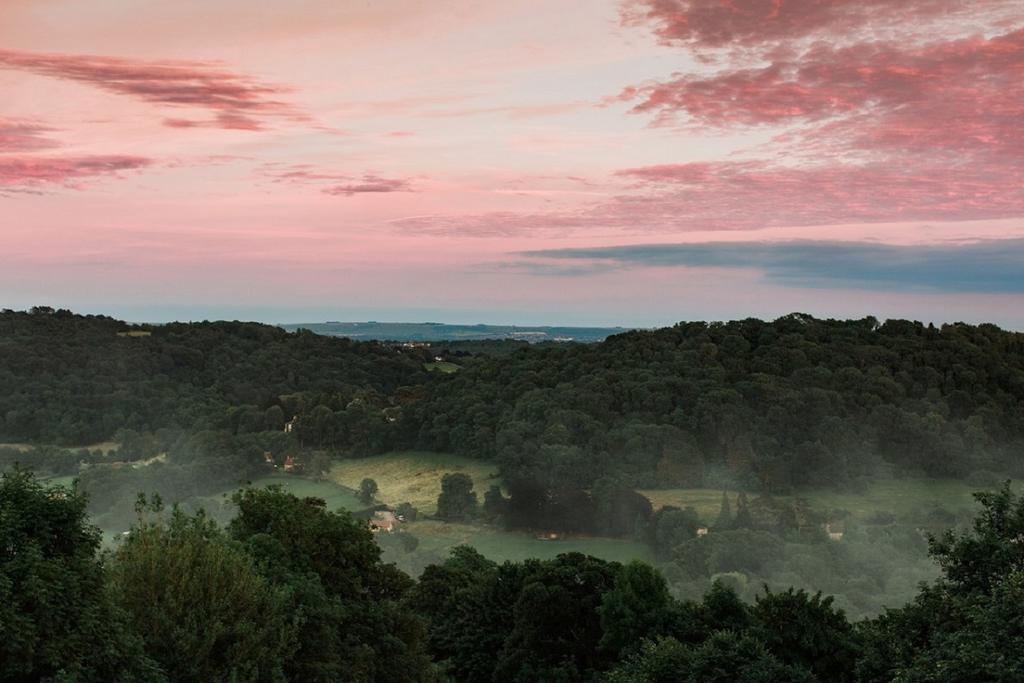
(992, 266)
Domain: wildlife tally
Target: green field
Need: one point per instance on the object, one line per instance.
(413, 477)
(334, 495)
(901, 497)
(442, 366)
(101, 446)
(65, 480)
(500, 545)
(706, 501)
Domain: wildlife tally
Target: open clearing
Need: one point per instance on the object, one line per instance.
(412, 476)
(898, 496)
(442, 366)
(334, 495)
(67, 480)
(101, 446)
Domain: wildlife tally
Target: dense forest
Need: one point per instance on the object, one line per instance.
(774, 405)
(764, 407)
(763, 411)
(289, 591)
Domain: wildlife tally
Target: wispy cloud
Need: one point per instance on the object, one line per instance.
(333, 183)
(20, 173)
(991, 266)
(754, 195)
(370, 184)
(235, 101)
(24, 136)
(761, 24)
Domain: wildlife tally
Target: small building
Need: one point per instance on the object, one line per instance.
(290, 463)
(383, 520)
(702, 531)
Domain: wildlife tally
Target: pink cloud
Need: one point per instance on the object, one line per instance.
(337, 184)
(236, 101)
(24, 136)
(370, 184)
(756, 195)
(753, 23)
(983, 78)
(875, 131)
(752, 195)
(35, 172)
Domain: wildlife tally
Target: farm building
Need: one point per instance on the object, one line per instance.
(383, 520)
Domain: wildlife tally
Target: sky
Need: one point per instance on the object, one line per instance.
(589, 162)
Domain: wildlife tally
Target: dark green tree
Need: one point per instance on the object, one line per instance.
(743, 519)
(354, 625)
(495, 504)
(725, 657)
(56, 620)
(638, 606)
(198, 602)
(724, 521)
(556, 623)
(407, 512)
(807, 631)
(457, 500)
(367, 490)
(969, 624)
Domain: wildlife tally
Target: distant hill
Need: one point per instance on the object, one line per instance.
(437, 332)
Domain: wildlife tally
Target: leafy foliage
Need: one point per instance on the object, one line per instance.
(197, 600)
(457, 500)
(56, 620)
(352, 625)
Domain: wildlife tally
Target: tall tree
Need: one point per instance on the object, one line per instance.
(743, 519)
(724, 521)
(367, 490)
(56, 621)
(198, 602)
(354, 625)
(457, 500)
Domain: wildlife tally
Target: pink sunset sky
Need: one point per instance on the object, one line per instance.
(629, 162)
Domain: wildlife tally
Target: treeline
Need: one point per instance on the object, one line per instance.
(73, 380)
(865, 562)
(748, 405)
(289, 591)
(773, 406)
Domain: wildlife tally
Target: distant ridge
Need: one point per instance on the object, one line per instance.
(442, 332)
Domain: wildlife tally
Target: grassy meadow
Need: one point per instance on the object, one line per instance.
(334, 495)
(442, 366)
(104, 446)
(412, 476)
(901, 497)
(415, 477)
